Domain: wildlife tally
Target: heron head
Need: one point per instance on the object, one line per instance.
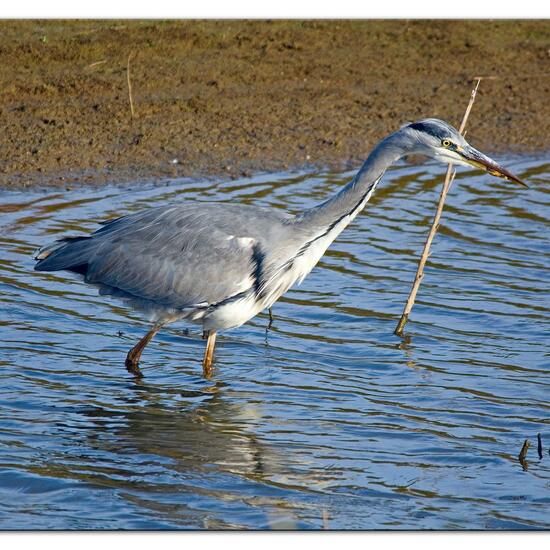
(439, 140)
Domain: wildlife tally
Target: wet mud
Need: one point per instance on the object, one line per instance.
(231, 98)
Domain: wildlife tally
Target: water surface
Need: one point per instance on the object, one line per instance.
(329, 419)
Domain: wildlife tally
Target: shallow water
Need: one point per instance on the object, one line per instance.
(329, 420)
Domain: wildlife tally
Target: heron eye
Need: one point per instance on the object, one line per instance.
(446, 143)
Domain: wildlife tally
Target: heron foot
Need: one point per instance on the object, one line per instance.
(132, 366)
(134, 355)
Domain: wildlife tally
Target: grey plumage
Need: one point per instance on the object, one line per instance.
(167, 254)
(221, 264)
(180, 257)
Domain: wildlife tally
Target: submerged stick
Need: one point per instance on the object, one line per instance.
(449, 177)
(130, 85)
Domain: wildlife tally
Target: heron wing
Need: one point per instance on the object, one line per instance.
(177, 256)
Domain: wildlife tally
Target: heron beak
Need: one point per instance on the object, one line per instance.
(479, 160)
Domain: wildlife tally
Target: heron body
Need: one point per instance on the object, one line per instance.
(220, 264)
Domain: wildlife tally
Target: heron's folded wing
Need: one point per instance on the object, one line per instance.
(179, 257)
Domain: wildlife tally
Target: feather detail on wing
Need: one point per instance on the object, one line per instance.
(176, 256)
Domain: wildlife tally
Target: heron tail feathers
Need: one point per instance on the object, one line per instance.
(69, 253)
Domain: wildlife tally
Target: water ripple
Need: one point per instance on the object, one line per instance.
(327, 418)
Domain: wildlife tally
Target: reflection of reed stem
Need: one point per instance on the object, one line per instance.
(523, 454)
(449, 177)
(325, 520)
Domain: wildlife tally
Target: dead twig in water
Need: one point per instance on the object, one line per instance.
(523, 454)
(325, 520)
(449, 177)
(130, 85)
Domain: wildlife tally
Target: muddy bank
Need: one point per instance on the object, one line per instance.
(229, 98)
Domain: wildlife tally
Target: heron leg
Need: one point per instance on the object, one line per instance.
(270, 318)
(134, 355)
(209, 354)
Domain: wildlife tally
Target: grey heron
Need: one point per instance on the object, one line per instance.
(220, 264)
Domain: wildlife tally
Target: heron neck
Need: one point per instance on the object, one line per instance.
(352, 198)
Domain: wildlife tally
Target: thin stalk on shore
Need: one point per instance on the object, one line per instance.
(130, 85)
(449, 177)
